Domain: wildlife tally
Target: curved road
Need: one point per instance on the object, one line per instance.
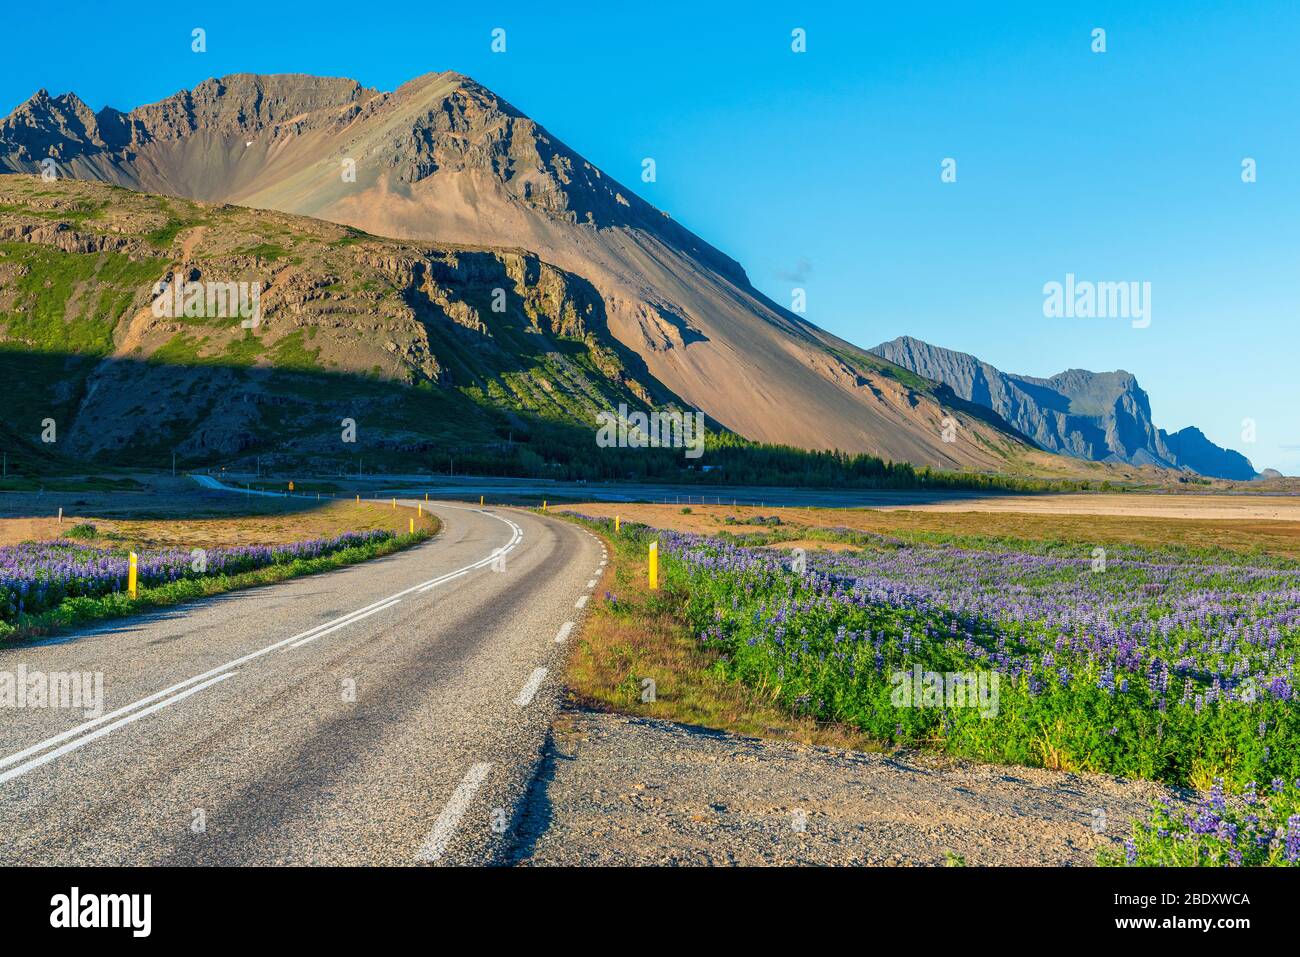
(391, 712)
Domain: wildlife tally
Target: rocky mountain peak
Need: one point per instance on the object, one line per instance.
(51, 126)
(1102, 416)
(243, 103)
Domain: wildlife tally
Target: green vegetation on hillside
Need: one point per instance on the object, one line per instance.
(71, 302)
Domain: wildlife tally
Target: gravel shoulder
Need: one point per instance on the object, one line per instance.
(616, 789)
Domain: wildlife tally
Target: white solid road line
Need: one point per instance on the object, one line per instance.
(515, 539)
(525, 696)
(323, 627)
(580, 602)
(457, 805)
(563, 632)
(86, 739)
(343, 624)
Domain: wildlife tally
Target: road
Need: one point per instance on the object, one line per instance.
(538, 490)
(1180, 505)
(388, 713)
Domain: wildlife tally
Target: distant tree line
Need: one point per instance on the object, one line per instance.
(552, 452)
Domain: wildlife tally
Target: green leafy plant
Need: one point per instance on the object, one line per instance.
(1251, 830)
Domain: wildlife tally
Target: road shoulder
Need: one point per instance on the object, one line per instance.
(616, 789)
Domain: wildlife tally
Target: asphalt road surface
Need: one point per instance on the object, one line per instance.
(392, 712)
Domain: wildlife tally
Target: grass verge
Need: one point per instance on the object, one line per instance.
(633, 635)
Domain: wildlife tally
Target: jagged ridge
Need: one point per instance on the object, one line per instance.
(1101, 416)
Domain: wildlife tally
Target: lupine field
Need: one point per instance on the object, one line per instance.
(1157, 664)
(39, 576)
(1258, 828)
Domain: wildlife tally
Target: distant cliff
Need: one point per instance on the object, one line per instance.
(1102, 416)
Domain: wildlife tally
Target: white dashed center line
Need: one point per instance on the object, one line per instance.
(443, 828)
(580, 602)
(564, 632)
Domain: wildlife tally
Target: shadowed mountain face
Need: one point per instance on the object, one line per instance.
(444, 159)
(1102, 416)
(106, 330)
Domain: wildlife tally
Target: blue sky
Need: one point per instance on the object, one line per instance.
(1122, 166)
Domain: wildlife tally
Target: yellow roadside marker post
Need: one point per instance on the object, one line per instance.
(480, 501)
(394, 504)
(426, 496)
(543, 505)
(615, 524)
(358, 498)
(132, 576)
(654, 566)
(412, 526)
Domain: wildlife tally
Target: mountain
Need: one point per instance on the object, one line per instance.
(1101, 416)
(442, 159)
(398, 337)
(1191, 449)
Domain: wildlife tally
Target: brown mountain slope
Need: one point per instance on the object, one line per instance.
(444, 159)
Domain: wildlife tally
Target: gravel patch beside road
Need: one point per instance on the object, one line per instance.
(620, 790)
